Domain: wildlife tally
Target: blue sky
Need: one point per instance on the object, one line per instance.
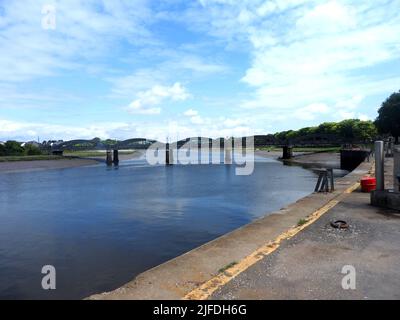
(157, 69)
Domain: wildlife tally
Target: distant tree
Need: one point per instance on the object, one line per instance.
(13, 148)
(31, 150)
(364, 130)
(328, 128)
(110, 142)
(282, 136)
(306, 131)
(2, 151)
(291, 135)
(346, 129)
(349, 130)
(388, 120)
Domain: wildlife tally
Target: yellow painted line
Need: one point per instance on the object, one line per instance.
(205, 290)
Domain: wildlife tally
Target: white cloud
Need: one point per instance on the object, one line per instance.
(191, 113)
(319, 65)
(342, 115)
(147, 100)
(20, 130)
(176, 129)
(311, 111)
(172, 64)
(85, 30)
(295, 59)
(234, 122)
(304, 51)
(197, 120)
(194, 117)
(350, 104)
(327, 17)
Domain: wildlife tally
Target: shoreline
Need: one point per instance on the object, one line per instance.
(42, 165)
(52, 164)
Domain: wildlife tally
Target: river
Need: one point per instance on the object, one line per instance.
(100, 227)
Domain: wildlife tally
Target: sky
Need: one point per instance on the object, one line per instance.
(172, 69)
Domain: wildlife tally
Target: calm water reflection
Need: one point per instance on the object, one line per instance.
(101, 227)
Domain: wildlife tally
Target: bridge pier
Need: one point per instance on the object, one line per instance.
(287, 152)
(109, 158)
(169, 159)
(116, 157)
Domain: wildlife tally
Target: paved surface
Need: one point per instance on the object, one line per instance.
(309, 265)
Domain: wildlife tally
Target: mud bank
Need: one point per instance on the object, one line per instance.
(27, 166)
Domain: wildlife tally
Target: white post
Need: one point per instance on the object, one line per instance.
(379, 165)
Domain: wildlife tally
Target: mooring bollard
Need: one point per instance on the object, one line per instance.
(379, 165)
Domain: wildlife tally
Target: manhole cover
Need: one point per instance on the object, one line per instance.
(339, 224)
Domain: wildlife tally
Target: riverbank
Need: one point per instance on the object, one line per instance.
(37, 165)
(58, 162)
(192, 274)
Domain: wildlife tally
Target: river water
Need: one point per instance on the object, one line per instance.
(100, 227)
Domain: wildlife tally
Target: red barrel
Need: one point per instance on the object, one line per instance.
(368, 184)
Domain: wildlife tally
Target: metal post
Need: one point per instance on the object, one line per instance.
(330, 172)
(379, 165)
(318, 182)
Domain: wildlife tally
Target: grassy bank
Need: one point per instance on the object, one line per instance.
(29, 158)
(303, 149)
(94, 153)
(67, 155)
